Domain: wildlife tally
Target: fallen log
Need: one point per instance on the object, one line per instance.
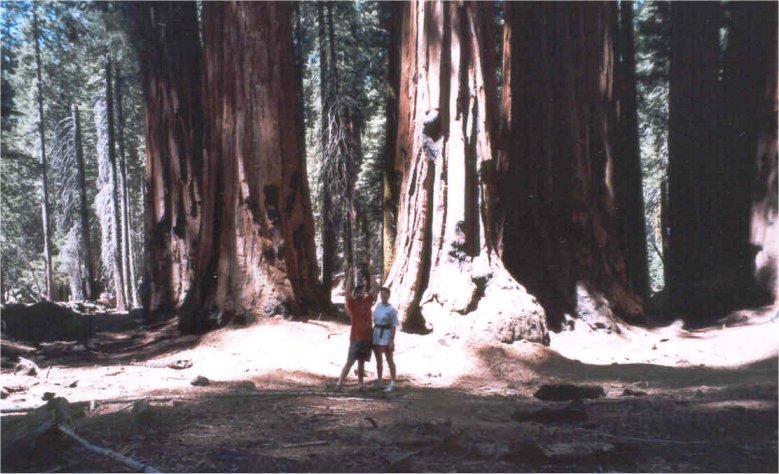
(18, 432)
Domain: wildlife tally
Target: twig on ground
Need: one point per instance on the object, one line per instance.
(298, 445)
(215, 396)
(138, 466)
(317, 323)
(647, 440)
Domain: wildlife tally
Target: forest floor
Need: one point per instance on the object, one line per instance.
(675, 400)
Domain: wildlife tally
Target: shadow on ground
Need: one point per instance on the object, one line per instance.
(272, 424)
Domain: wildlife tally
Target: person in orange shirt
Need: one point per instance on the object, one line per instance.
(359, 301)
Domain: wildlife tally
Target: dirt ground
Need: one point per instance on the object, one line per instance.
(676, 400)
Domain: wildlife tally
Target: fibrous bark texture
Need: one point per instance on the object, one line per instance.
(559, 208)
(748, 200)
(171, 67)
(444, 259)
(230, 221)
(256, 251)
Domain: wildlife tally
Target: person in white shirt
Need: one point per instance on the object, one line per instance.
(385, 322)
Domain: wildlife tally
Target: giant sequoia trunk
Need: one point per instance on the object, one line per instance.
(559, 221)
(444, 256)
(171, 67)
(694, 166)
(748, 200)
(256, 250)
(230, 222)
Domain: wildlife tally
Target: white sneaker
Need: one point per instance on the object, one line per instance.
(390, 388)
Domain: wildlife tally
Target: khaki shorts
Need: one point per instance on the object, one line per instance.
(360, 350)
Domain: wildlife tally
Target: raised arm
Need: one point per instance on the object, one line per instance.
(372, 281)
(349, 285)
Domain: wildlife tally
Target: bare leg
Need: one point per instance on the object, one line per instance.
(360, 371)
(391, 364)
(345, 371)
(379, 366)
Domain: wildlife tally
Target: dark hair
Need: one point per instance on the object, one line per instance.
(384, 288)
(359, 288)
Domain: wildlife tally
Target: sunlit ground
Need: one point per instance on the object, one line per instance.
(673, 346)
(279, 354)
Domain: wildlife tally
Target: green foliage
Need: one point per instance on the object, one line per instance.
(75, 38)
(361, 57)
(652, 65)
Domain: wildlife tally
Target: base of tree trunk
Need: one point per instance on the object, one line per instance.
(496, 305)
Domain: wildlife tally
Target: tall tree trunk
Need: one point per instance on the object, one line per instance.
(128, 273)
(119, 286)
(256, 232)
(749, 195)
(86, 246)
(693, 158)
(558, 224)
(44, 161)
(394, 21)
(627, 168)
(325, 96)
(171, 69)
(340, 161)
(331, 43)
(444, 259)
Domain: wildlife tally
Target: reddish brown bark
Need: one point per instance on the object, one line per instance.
(444, 261)
(558, 225)
(171, 67)
(230, 222)
(256, 252)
